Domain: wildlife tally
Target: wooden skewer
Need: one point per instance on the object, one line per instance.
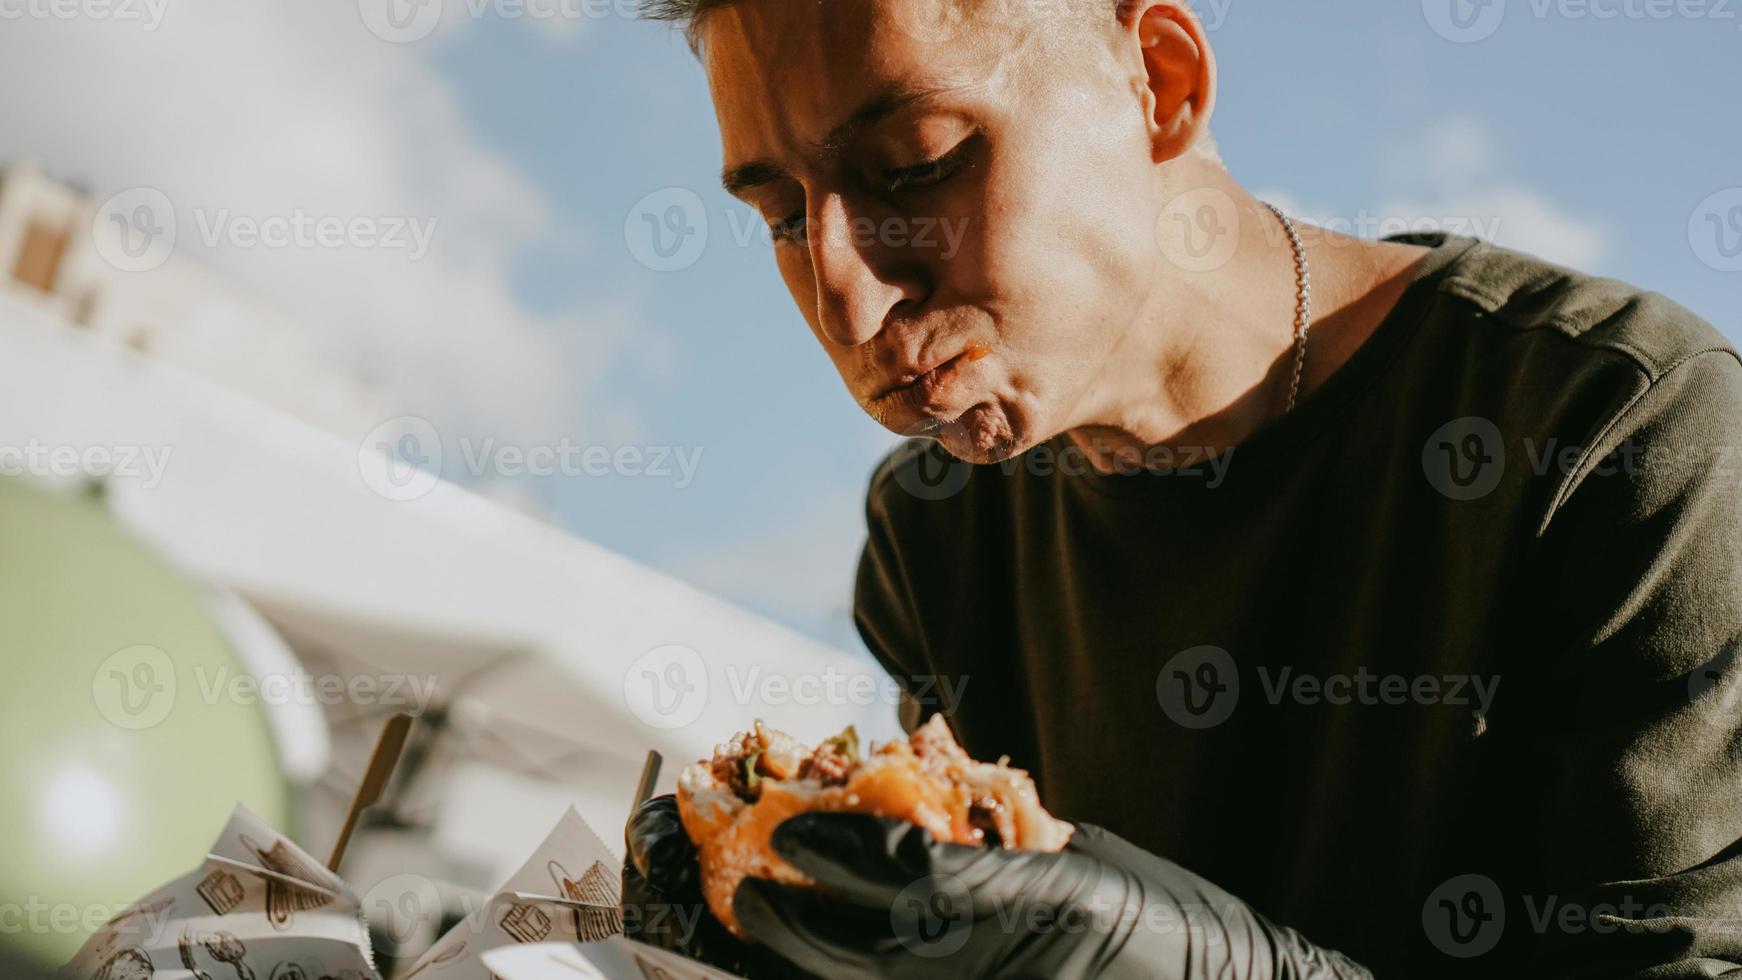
(649, 776)
(381, 762)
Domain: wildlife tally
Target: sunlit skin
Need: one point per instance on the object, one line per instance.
(1052, 143)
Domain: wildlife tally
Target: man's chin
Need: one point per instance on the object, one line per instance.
(980, 436)
(977, 455)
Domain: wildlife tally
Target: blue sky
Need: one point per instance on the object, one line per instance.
(1590, 139)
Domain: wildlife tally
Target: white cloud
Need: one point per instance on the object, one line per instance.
(1459, 150)
(1515, 217)
(1453, 176)
(269, 108)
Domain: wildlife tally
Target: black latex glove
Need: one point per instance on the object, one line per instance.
(891, 902)
(662, 898)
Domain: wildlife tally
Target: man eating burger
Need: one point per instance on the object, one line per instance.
(1372, 607)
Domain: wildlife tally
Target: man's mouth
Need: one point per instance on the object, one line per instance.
(918, 388)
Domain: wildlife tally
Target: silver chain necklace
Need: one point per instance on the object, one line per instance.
(1303, 311)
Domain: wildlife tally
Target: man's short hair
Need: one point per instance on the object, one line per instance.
(686, 13)
(691, 14)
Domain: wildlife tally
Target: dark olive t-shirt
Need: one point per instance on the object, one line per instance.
(1438, 669)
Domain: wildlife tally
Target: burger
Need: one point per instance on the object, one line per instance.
(731, 803)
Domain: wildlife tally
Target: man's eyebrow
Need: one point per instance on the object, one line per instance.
(744, 176)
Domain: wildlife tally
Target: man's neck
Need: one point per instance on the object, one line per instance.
(1210, 358)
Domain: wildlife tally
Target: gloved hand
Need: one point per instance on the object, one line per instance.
(892, 902)
(662, 898)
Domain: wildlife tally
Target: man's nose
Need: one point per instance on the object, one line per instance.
(859, 278)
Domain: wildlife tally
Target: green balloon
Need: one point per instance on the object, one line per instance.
(122, 746)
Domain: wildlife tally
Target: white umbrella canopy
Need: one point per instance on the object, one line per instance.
(503, 740)
(477, 702)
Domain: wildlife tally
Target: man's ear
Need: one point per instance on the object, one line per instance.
(1180, 72)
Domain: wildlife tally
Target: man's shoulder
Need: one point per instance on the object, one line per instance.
(1546, 352)
(1557, 304)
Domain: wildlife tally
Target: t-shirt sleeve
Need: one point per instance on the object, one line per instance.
(883, 600)
(1641, 832)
